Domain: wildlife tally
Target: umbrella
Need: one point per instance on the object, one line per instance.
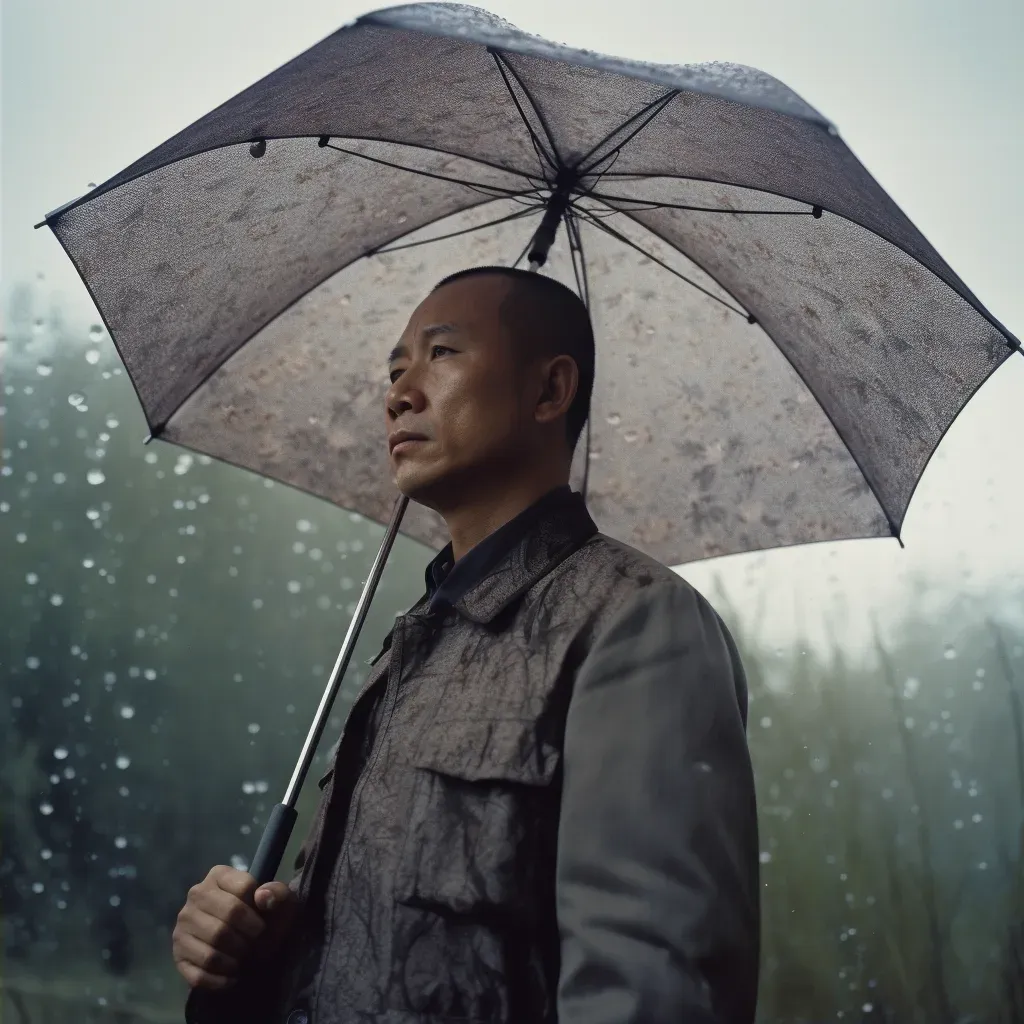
(780, 350)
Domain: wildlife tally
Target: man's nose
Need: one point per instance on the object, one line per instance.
(403, 396)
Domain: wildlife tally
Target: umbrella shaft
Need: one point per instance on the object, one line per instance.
(316, 730)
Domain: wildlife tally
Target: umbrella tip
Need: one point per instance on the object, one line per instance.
(257, 148)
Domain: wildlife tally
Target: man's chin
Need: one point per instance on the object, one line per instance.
(420, 485)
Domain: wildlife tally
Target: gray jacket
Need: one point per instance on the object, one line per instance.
(542, 809)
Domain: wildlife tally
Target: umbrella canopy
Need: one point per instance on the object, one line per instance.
(779, 349)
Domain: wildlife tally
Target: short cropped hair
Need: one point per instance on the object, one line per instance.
(558, 323)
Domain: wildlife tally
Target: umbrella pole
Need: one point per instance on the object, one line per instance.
(282, 817)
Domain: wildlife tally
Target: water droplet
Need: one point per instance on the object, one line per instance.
(38, 887)
(44, 369)
(298, 547)
(949, 653)
(304, 526)
(21, 537)
(239, 863)
(46, 854)
(183, 465)
(123, 761)
(150, 674)
(766, 722)
(248, 787)
(45, 808)
(911, 687)
(120, 842)
(254, 727)
(261, 786)
(32, 662)
(257, 603)
(92, 514)
(766, 857)
(56, 600)
(630, 436)
(115, 901)
(127, 711)
(614, 419)
(75, 399)
(294, 586)
(31, 579)
(95, 332)
(95, 477)
(60, 753)
(150, 457)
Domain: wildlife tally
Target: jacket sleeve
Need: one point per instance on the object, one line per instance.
(657, 884)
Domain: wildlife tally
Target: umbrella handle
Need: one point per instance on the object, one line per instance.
(282, 817)
(273, 843)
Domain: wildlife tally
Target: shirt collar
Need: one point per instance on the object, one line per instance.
(511, 559)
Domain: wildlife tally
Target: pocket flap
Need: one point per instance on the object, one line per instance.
(497, 750)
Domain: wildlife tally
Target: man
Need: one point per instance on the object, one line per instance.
(542, 806)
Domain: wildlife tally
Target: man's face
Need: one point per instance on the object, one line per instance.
(457, 408)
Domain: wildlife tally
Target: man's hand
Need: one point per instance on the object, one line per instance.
(227, 924)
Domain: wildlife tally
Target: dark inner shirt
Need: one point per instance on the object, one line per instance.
(447, 583)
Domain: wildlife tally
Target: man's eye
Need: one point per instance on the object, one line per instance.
(394, 375)
(436, 349)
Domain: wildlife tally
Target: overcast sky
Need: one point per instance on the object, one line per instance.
(928, 93)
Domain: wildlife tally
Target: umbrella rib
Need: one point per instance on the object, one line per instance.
(654, 108)
(572, 228)
(156, 428)
(506, 69)
(576, 249)
(463, 231)
(893, 529)
(493, 191)
(814, 211)
(618, 236)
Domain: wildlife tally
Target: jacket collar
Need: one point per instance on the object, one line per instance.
(564, 525)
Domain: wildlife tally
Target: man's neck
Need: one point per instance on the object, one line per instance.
(479, 516)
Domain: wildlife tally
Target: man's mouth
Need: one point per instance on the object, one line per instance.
(402, 440)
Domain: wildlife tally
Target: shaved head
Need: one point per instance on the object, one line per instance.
(545, 318)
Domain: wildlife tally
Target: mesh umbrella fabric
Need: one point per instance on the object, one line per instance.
(254, 300)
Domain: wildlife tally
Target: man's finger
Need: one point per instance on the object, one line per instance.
(198, 978)
(231, 911)
(210, 960)
(214, 932)
(273, 896)
(239, 883)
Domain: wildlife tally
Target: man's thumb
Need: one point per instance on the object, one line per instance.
(272, 896)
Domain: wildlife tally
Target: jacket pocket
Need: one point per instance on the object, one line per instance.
(481, 801)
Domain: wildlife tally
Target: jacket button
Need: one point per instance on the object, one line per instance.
(298, 1017)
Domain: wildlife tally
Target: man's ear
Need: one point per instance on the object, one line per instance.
(560, 381)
